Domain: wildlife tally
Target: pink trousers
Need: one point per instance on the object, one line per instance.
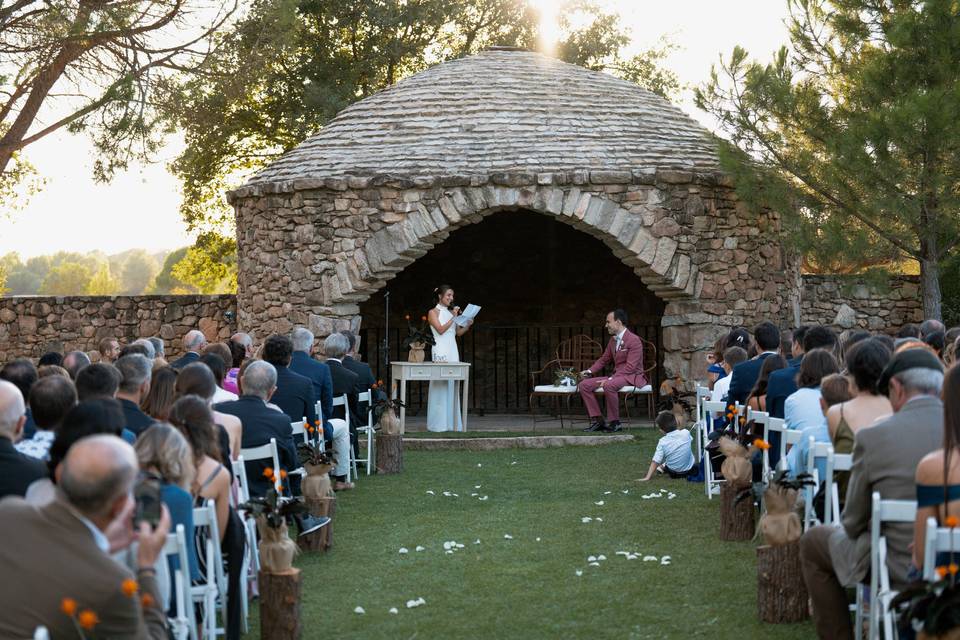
(611, 387)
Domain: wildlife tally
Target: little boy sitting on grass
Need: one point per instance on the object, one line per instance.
(673, 455)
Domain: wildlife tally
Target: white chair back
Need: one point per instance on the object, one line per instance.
(213, 587)
(299, 429)
(265, 452)
(184, 625)
(341, 401)
(835, 462)
(816, 452)
(41, 634)
(884, 511)
(711, 409)
(702, 395)
(367, 397)
(776, 425)
(938, 540)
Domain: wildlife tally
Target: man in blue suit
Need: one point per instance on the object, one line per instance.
(745, 375)
(783, 381)
(294, 394)
(317, 372)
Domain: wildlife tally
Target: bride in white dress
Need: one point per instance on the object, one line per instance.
(445, 333)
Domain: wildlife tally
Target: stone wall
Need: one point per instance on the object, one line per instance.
(848, 302)
(30, 325)
(311, 250)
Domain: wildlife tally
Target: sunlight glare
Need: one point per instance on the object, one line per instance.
(548, 29)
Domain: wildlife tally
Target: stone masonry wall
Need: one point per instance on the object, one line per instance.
(848, 302)
(310, 250)
(29, 325)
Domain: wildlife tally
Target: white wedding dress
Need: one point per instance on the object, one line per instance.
(439, 400)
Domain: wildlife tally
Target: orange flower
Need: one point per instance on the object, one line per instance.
(953, 568)
(952, 521)
(147, 600)
(731, 407)
(761, 444)
(129, 587)
(268, 473)
(88, 619)
(942, 572)
(283, 473)
(68, 606)
(743, 420)
(729, 416)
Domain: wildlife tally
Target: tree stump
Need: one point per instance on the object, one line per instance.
(320, 540)
(280, 605)
(781, 592)
(736, 520)
(389, 453)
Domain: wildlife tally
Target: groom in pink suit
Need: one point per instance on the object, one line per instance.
(625, 352)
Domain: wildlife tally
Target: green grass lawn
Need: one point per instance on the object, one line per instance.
(519, 587)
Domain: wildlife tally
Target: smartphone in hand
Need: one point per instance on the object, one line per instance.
(146, 493)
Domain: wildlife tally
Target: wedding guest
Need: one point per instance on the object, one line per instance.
(885, 459)
(345, 383)
(237, 354)
(17, 471)
(138, 349)
(158, 347)
(109, 349)
(744, 376)
(317, 372)
(909, 330)
(363, 371)
(803, 411)
(866, 361)
(673, 455)
(930, 326)
(757, 400)
(74, 361)
(146, 344)
(193, 343)
(161, 395)
(715, 369)
(98, 380)
(192, 415)
(936, 340)
(215, 362)
(51, 357)
(784, 382)
(51, 398)
(938, 474)
(731, 358)
(198, 380)
(52, 370)
(135, 374)
(294, 393)
(22, 374)
(441, 407)
(56, 556)
(835, 389)
(624, 353)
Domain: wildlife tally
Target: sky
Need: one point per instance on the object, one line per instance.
(139, 208)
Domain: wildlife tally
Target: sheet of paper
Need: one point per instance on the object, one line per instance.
(467, 314)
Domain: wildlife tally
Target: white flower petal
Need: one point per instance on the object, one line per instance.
(359, 610)
(449, 551)
(632, 557)
(419, 548)
(507, 536)
(606, 493)
(622, 553)
(483, 498)
(591, 558)
(477, 541)
(402, 550)
(459, 546)
(649, 558)
(447, 545)
(430, 491)
(586, 519)
(665, 560)
(601, 557)
(594, 564)
(599, 519)
(477, 486)
(625, 491)
(599, 504)
(479, 465)
(579, 572)
(474, 494)
(538, 539)
(393, 610)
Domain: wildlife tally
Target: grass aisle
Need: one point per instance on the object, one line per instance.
(521, 588)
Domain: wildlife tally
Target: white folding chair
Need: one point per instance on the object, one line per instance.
(299, 429)
(341, 401)
(884, 511)
(211, 594)
(762, 418)
(938, 540)
(265, 452)
(251, 559)
(816, 452)
(366, 396)
(710, 408)
(184, 625)
(41, 634)
(831, 508)
(702, 395)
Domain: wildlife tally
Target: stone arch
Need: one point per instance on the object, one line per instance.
(652, 254)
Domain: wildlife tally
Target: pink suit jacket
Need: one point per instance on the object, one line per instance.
(627, 361)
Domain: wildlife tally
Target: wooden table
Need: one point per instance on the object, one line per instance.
(452, 372)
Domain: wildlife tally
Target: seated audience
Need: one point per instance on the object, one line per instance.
(218, 366)
(866, 361)
(135, 374)
(50, 357)
(909, 330)
(885, 459)
(938, 474)
(51, 398)
(17, 471)
(146, 344)
(158, 347)
(165, 456)
(345, 383)
(161, 395)
(928, 327)
(744, 376)
(673, 455)
(715, 369)
(803, 411)
(936, 341)
(133, 348)
(238, 354)
(23, 375)
(98, 380)
(74, 361)
(731, 358)
(758, 395)
(196, 379)
(835, 389)
(109, 349)
(60, 552)
(364, 374)
(191, 414)
(53, 370)
(294, 394)
(784, 382)
(193, 344)
(317, 372)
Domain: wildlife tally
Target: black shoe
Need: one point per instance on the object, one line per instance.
(596, 425)
(614, 426)
(309, 524)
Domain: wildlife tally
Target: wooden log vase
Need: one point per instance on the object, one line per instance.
(781, 593)
(280, 604)
(737, 521)
(389, 449)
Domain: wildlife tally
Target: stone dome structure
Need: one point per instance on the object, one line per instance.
(501, 110)
(332, 222)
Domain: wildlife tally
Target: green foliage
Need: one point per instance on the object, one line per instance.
(139, 269)
(165, 282)
(210, 266)
(853, 133)
(94, 273)
(950, 285)
(67, 279)
(102, 283)
(288, 66)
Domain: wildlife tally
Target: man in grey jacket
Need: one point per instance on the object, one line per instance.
(885, 458)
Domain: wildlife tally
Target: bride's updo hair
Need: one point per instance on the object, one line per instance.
(439, 292)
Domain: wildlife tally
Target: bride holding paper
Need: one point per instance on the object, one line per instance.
(446, 324)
